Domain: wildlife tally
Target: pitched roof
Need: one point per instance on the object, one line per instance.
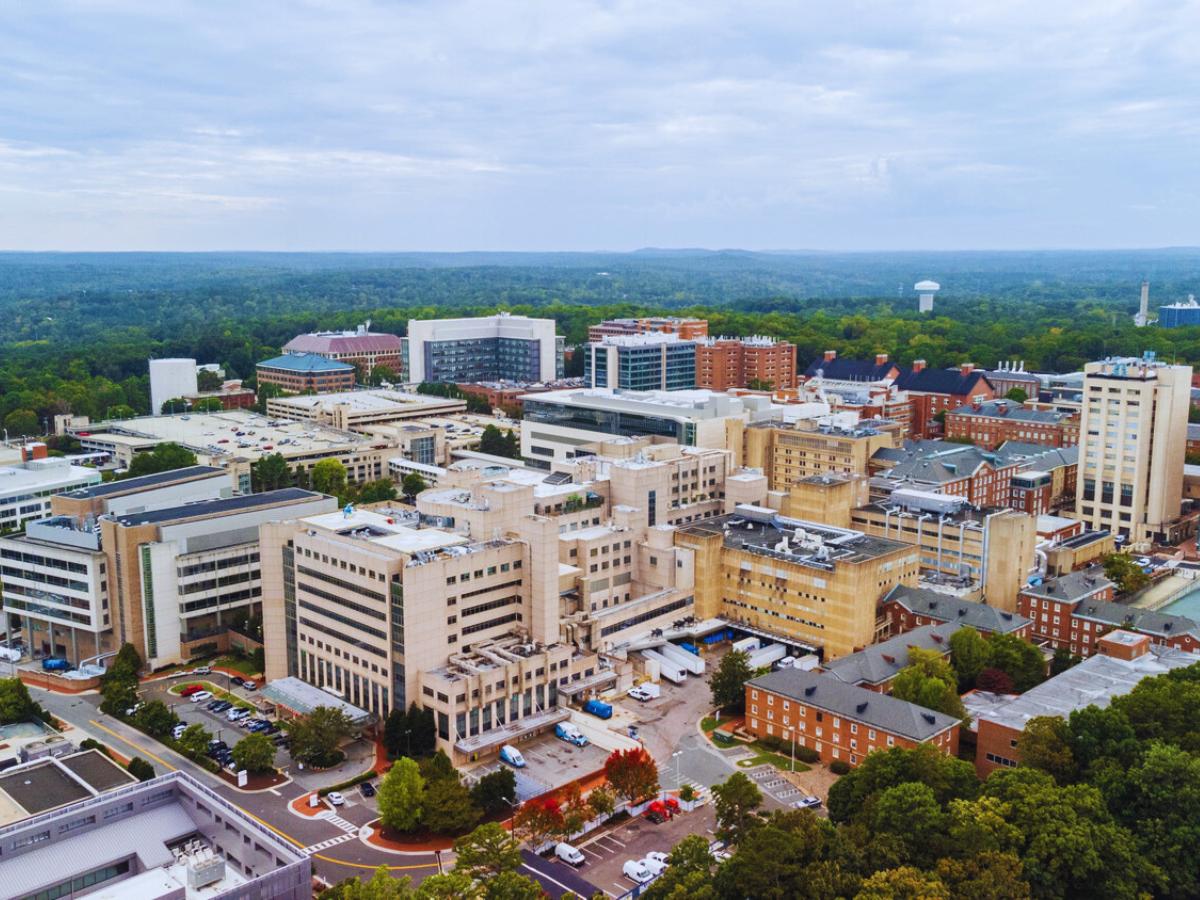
(859, 704)
(936, 605)
(351, 343)
(939, 462)
(1146, 621)
(879, 662)
(1011, 410)
(305, 362)
(1071, 587)
(839, 369)
(941, 381)
(1037, 456)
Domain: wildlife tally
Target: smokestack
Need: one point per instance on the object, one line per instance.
(1144, 309)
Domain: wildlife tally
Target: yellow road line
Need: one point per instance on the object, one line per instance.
(140, 749)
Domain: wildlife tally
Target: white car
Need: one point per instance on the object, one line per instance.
(335, 798)
(200, 696)
(718, 851)
(202, 670)
(809, 802)
(236, 713)
(655, 862)
(635, 870)
(568, 854)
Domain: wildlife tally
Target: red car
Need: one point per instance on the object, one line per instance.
(659, 811)
(191, 689)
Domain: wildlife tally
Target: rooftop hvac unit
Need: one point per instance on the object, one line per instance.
(204, 868)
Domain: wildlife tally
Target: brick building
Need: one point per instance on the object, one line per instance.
(876, 666)
(983, 479)
(295, 373)
(840, 721)
(991, 423)
(724, 363)
(359, 347)
(687, 329)
(933, 391)
(907, 608)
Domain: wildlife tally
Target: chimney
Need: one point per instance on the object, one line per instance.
(830, 355)
(967, 368)
(918, 365)
(881, 359)
(1144, 309)
(33, 450)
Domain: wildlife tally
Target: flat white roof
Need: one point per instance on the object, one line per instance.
(58, 476)
(369, 401)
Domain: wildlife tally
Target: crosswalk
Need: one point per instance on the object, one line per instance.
(325, 845)
(339, 822)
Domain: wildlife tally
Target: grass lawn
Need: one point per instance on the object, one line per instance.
(243, 664)
(708, 723)
(218, 693)
(763, 755)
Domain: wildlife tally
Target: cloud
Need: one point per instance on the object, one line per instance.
(596, 123)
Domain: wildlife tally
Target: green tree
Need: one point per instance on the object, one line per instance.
(910, 812)
(255, 753)
(988, 876)
(497, 443)
(22, 423)
(1021, 660)
(156, 719)
(412, 484)
(496, 792)
(438, 767)
(728, 682)
(125, 665)
(690, 869)
(270, 473)
(1125, 573)
(194, 740)
(486, 852)
(140, 769)
(903, 883)
(1063, 660)
(929, 681)
(793, 854)
(15, 703)
(377, 491)
(315, 737)
(737, 800)
(119, 695)
(602, 802)
(381, 886)
(1045, 744)
(949, 778)
(424, 730)
(163, 458)
(402, 796)
(208, 405)
(208, 380)
(512, 886)
(1101, 733)
(329, 477)
(632, 773)
(1017, 395)
(451, 886)
(1165, 708)
(968, 655)
(396, 732)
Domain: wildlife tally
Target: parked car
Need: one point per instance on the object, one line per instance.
(568, 854)
(213, 704)
(222, 706)
(367, 789)
(249, 685)
(565, 731)
(202, 670)
(809, 802)
(512, 756)
(718, 851)
(201, 696)
(191, 689)
(655, 865)
(178, 730)
(644, 692)
(654, 817)
(132, 710)
(236, 714)
(335, 798)
(636, 871)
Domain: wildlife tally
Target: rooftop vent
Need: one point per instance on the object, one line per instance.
(810, 690)
(928, 717)
(861, 708)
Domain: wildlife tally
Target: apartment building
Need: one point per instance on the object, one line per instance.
(831, 367)
(723, 363)
(841, 721)
(876, 666)
(486, 348)
(640, 362)
(54, 576)
(687, 329)
(804, 583)
(27, 488)
(907, 608)
(361, 347)
(177, 574)
(936, 391)
(1132, 438)
(296, 373)
(991, 423)
(1122, 660)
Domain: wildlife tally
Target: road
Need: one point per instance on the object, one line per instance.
(332, 842)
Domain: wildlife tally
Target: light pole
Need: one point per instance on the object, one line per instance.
(675, 756)
(792, 735)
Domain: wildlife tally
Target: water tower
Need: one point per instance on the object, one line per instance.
(926, 290)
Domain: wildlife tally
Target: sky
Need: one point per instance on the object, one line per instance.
(573, 125)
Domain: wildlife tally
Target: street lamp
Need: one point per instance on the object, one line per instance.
(678, 781)
(792, 736)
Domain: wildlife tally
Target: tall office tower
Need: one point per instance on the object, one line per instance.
(641, 362)
(1131, 446)
(487, 348)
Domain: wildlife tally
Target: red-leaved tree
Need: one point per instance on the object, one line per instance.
(632, 773)
(538, 819)
(995, 681)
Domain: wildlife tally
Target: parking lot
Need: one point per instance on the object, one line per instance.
(549, 763)
(608, 852)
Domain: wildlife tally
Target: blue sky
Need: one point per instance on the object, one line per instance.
(337, 124)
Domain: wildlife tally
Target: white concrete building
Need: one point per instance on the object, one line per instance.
(26, 489)
(169, 379)
(488, 348)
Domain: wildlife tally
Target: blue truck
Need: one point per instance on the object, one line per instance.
(54, 664)
(598, 708)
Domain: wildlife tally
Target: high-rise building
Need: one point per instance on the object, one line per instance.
(687, 329)
(640, 362)
(1131, 447)
(169, 379)
(723, 363)
(487, 348)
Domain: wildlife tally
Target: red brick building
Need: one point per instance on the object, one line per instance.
(933, 391)
(907, 608)
(960, 470)
(687, 329)
(840, 721)
(990, 424)
(295, 373)
(724, 363)
(360, 348)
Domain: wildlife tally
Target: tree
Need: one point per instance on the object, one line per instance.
(15, 703)
(194, 740)
(602, 802)
(208, 380)
(995, 681)
(1017, 395)
(329, 477)
(728, 682)
(438, 767)
(163, 458)
(22, 423)
(487, 851)
(1165, 708)
(378, 491)
(254, 753)
(987, 876)
(140, 769)
(125, 665)
(119, 695)
(402, 796)
(395, 732)
(451, 886)
(497, 443)
(929, 681)
(512, 886)
(910, 812)
(736, 799)
(949, 778)
(495, 792)
(632, 773)
(760, 384)
(381, 886)
(315, 737)
(1101, 734)
(412, 484)
(208, 404)
(968, 656)
(904, 883)
(448, 807)
(1020, 659)
(424, 730)
(1126, 573)
(1063, 660)
(1045, 744)
(381, 374)
(690, 867)
(156, 719)
(270, 473)
(536, 820)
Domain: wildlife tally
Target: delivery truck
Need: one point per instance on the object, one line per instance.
(666, 668)
(767, 656)
(679, 656)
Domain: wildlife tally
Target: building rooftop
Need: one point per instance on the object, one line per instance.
(211, 509)
(839, 369)
(302, 698)
(1037, 455)
(1093, 682)
(305, 362)
(937, 462)
(143, 482)
(859, 704)
(46, 784)
(948, 608)
(642, 339)
(695, 404)
(954, 382)
(1013, 411)
(1145, 621)
(1071, 587)
(44, 475)
(369, 401)
(349, 342)
(880, 662)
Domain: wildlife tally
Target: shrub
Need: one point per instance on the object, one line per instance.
(839, 767)
(807, 754)
(140, 769)
(348, 783)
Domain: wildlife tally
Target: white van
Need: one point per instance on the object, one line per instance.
(512, 756)
(569, 854)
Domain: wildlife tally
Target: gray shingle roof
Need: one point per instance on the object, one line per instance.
(857, 704)
(1072, 587)
(1011, 410)
(941, 381)
(936, 605)
(939, 462)
(1144, 620)
(879, 662)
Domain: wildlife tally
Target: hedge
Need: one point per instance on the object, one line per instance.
(346, 785)
(839, 767)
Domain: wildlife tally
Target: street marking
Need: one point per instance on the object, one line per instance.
(275, 792)
(323, 845)
(329, 859)
(138, 747)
